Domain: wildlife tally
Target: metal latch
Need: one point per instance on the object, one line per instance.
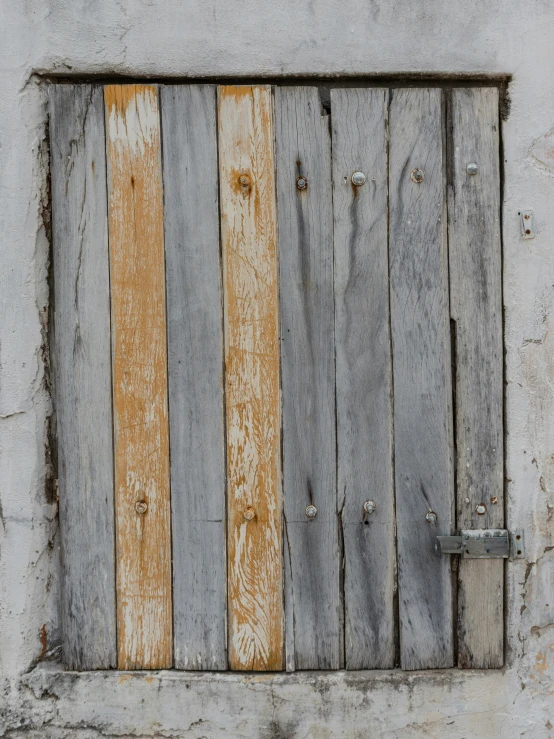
(484, 544)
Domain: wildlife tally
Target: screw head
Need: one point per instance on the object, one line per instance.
(141, 506)
(431, 517)
(301, 183)
(370, 506)
(416, 175)
(311, 511)
(358, 179)
(472, 168)
(249, 513)
(244, 180)
(481, 509)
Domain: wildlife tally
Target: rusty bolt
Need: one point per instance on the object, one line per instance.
(472, 168)
(370, 506)
(301, 183)
(311, 511)
(358, 178)
(244, 180)
(416, 175)
(141, 506)
(431, 517)
(481, 509)
(249, 513)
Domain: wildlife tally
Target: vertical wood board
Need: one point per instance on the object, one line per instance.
(144, 613)
(248, 232)
(195, 362)
(422, 376)
(363, 375)
(476, 309)
(83, 375)
(313, 552)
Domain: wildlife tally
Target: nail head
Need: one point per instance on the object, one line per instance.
(141, 506)
(301, 183)
(249, 513)
(416, 175)
(431, 517)
(369, 506)
(480, 508)
(472, 168)
(311, 511)
(358, 179)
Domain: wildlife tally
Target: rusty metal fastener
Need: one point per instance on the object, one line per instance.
(244, 180)
(249, 513)
(358, 178)
(472, 168)
(480, 508)
(431, 517)
(370, 506)
(494, 500)
(141, 506)
(301, 183)
(416, 175)
(311, 511)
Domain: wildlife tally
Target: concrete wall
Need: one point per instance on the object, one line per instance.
(180, 38)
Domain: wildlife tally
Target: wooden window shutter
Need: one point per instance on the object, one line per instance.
(278, 375)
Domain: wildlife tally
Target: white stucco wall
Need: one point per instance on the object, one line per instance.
(184, 38)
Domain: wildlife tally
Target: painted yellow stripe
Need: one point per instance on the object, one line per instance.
(143, 541)
(248, 222)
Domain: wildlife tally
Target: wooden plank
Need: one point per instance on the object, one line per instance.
(363, 375)
(314, 626)
(422, 376)
(144, 619)
(476, 309)
(248, 230)
(83, 375)
(195, 361)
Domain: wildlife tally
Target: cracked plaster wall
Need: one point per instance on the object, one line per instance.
(180, 38)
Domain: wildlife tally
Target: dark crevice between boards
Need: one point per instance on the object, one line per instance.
(223, 378)
(108, 254)
(448, 131)
(504, 112)
(166, 308)
(396, 593)
(47, 319)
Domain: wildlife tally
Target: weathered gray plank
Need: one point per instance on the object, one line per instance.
(363, 375)
(83, 375)
(476, 309)
(195, 363)
(422, 376)
(312, 590)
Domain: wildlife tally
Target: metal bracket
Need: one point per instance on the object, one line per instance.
(484, 544)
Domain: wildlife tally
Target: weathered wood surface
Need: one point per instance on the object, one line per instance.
(144, 613)
(476, 309)
(83, 375)
(312, 551)
(248, 231)
(363, 375)
(195, 362)
(422, 377)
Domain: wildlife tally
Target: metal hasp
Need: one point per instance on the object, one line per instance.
(484, 544)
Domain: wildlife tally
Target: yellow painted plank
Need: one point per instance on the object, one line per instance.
(143, 539)
(248, 223)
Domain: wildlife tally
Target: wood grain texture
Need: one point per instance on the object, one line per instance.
(476, 309)
(83, 375)
(248, 232)
(144, 618)
(422, 377)
(195, 361)
(363, 375)
(313, 554)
